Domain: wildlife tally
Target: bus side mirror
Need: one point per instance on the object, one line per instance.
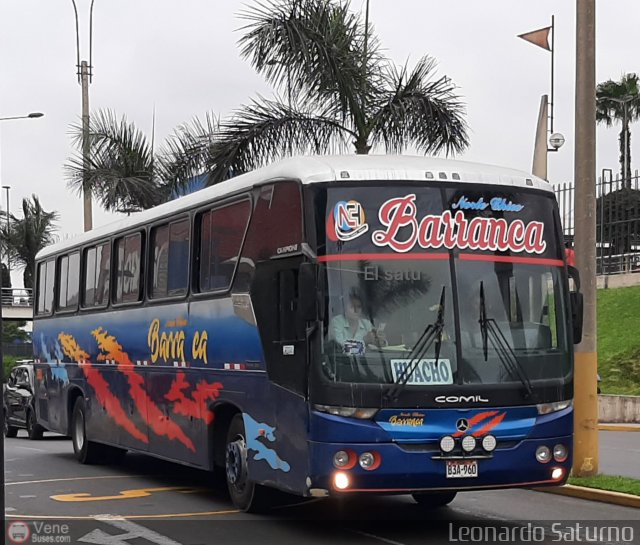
(308, 307)
(577, 305)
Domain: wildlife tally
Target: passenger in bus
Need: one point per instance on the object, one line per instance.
(352, 331)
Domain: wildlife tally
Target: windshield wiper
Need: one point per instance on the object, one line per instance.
(490, 330)
(432, 333)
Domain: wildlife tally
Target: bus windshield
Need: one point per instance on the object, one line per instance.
(486, 263)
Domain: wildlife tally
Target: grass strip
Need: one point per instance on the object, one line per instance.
(612, 483)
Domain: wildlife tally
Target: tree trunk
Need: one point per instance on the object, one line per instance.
(625, 152)
(362, 147)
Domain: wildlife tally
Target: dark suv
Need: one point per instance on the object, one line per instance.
(18, 402)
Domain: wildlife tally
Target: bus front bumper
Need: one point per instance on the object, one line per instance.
(404, 469)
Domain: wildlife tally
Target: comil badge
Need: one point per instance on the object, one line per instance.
(347, 221)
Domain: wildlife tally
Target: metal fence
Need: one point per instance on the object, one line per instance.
(617, 221)
(16, 297)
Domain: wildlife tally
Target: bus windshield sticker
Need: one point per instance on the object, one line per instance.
(427, 372)
(402, 230)
(353, 347)
(347, 221)
(497, 204)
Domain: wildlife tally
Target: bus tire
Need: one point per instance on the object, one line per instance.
(245, 494)
(87, 452)
(9, 430)
(34, 430)
(434, 499)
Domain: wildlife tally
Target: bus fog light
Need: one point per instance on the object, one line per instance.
(489, 443)
(560, 453)
(468, 443)
(447, 444)
(543, 454)
(557, 473)
(341, 481)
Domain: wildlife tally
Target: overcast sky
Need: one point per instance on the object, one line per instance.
(182, 57)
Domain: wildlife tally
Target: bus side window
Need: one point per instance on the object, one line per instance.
(276, 226)
(46, 279)
(221, 233)
(129, 251)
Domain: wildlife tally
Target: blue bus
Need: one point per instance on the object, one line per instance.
(324, 326)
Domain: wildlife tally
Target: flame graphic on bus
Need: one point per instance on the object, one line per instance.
(195, 406)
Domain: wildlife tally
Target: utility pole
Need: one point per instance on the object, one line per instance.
(585, 454)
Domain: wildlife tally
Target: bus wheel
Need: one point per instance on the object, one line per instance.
(434, 499)
(34, 430)
(245, 494)
(9, 431)
(86, 451)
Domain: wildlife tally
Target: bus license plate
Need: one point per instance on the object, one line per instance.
(461, 469)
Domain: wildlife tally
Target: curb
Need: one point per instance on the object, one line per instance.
(618, 427)
(594, 494)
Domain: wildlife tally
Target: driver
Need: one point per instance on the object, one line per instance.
(352, 331)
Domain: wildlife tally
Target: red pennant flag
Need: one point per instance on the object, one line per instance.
(538, 37)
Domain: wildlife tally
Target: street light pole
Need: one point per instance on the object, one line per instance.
(85, 74)
(33, 115)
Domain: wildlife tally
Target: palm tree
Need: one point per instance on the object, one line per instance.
(26, 236)
(620, 101)
(125, 174)
(341, 91)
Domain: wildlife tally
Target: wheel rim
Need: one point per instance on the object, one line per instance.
(30, 423)
(79, 431)
(236, 464)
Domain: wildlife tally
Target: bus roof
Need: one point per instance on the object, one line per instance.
(317, 169)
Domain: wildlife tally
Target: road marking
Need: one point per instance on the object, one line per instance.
(123, 495)
(132, 531)
(31, 448)
(127, 517)
(28, 496)
(379, 538)
(75, 479)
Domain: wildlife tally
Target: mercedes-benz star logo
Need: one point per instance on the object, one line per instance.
(462, 424)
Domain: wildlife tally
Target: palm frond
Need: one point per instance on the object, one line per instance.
(185, 153)
(610, 96)
(420, 110)
(120, 170)
(315, 47)
(264, 131)
(29, 234)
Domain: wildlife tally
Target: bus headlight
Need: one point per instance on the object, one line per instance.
(546, 408)
(447, 444)
(369, 460)
(560, 453)
(349, 412)
(344, 459)
(543, 454)
(469, 443)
